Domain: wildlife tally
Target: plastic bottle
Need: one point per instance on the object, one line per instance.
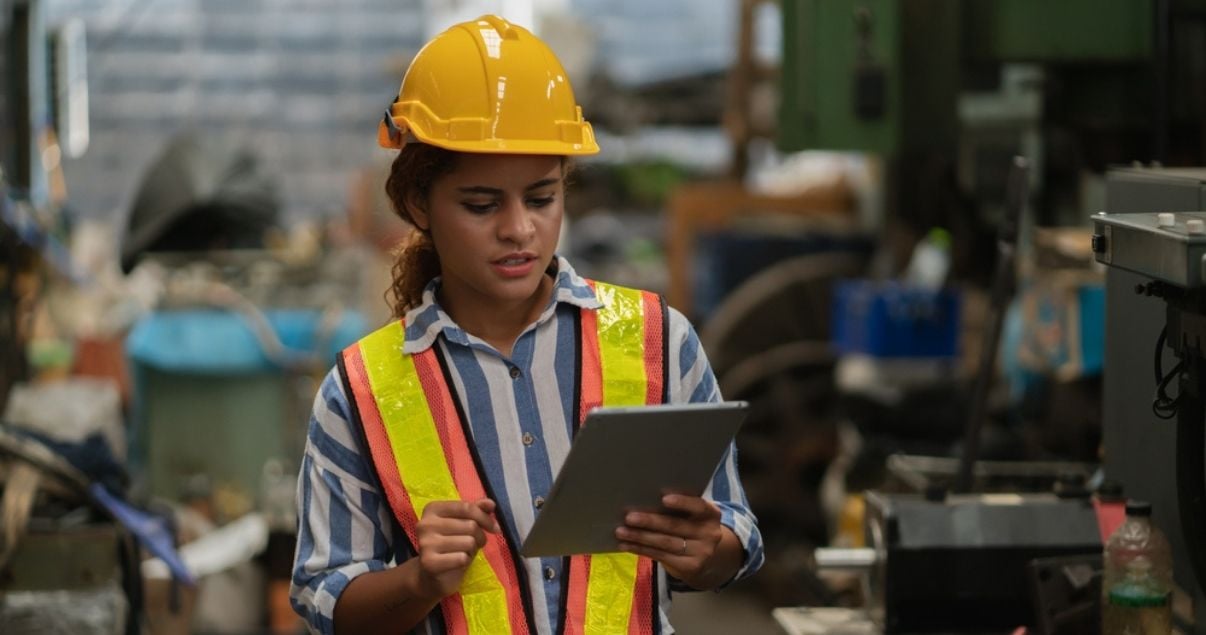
(931, 261)
(1137, 582)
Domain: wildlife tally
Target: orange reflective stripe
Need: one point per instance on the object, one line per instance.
(380, 451)
(641, 622)
(453, 610)
(469, 485)
(654, 349)
(447, 423)
(421, 455)
(590, 381)
(621, 364)
(575, 599)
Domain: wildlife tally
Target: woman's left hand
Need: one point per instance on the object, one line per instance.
(691, 545)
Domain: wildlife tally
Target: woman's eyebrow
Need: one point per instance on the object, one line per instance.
(479, 189)
(494, 191)
(541, 183)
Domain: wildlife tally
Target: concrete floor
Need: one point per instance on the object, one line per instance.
(732, 611)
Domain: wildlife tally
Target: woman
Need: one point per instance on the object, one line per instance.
(435, 439)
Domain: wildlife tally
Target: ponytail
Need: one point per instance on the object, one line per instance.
(416, 263)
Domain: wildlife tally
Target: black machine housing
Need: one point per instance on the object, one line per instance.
(964, 563)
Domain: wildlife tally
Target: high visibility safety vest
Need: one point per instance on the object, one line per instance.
(417, 434)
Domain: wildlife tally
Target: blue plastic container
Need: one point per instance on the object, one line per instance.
(209, 401)
(890, 319)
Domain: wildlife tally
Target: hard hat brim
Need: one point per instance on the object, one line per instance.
(389, 137)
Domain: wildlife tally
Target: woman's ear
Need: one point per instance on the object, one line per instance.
(416, 208)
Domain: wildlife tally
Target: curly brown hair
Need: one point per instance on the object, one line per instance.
(416, 262)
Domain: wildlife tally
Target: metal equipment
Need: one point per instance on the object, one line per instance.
(963, 563)
(944, 90)
(44, 101)
(966, 563)
(1152, 238)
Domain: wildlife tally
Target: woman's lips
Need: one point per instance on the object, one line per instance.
(514, 266)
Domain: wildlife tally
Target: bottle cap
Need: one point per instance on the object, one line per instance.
(1138, 508)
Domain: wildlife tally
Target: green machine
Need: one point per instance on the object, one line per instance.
(884, 76)
(945, 91)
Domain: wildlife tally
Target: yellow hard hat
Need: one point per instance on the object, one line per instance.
(488, 86)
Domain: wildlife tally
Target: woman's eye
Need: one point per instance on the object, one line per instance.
(541, 202)
(479, 208)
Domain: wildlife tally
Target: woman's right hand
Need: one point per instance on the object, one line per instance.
(450, 533)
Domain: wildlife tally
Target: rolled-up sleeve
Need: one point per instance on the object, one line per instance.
(697, 383)
(343, 526)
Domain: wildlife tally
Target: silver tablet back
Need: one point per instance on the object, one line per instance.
(628, 458)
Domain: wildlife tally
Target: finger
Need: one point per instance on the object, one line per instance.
(451, 544)
(474, 511)
(437, 563)
(661, 523)
(450, 526)
(479, 512)
(488, 507)
(444, 509)
(693, 506)
(669, 544)
(672, 559)
(453, 528)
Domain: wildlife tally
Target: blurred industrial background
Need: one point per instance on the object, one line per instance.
(910, 233)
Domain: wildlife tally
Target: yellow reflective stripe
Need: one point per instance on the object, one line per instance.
(621, 326)
(412, 434)
(609, 593)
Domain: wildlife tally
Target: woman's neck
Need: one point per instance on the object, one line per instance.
(498, 323)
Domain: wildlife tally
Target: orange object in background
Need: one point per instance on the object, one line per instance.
(165, 616)
(850, 532)
(281, 618)
(1110, 515)
(103, 358)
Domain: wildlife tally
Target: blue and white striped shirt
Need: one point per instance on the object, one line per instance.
(520, 415)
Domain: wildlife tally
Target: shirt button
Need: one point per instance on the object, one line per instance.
(539, 502)
(515, 372)
(528, 439)
(549, 574)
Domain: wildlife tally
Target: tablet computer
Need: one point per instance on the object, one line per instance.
(625, 459)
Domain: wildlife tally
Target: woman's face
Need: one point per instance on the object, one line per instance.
(494, 221)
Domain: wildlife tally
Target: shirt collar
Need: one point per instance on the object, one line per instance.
(425, 323)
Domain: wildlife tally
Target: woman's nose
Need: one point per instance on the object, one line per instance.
(515, 223)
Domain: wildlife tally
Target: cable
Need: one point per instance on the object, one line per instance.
(1159, 354)
(1163, 406)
